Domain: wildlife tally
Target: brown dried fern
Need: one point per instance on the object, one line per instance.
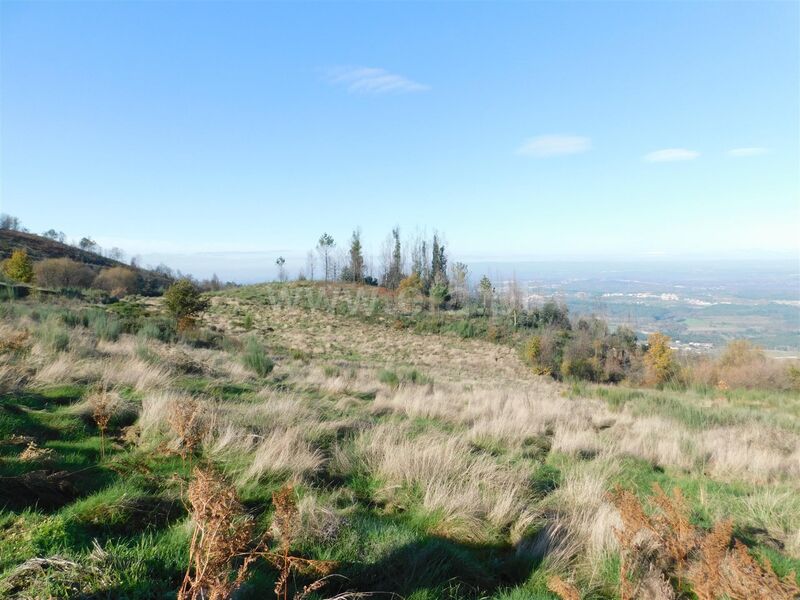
(563, 589)
(222, 535)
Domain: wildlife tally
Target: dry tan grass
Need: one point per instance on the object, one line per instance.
(283, 452)
(578, 521)
(332, 336)
(463, 487)
(11, 378)
(136, 373)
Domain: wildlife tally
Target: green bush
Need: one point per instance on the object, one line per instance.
(184, 302)
(580, 368)
(256, 359)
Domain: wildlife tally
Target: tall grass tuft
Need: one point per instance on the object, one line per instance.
(106, 327)
(53, 335)
(256, 359)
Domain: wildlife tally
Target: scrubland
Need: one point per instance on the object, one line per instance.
(422, 465)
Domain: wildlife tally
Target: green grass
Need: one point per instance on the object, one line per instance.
(700, 409)
(132, 502)
(256, 359)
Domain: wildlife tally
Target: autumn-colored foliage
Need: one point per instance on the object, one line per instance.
(664, 548)
(222, 536)
(659, 359)
(19, 267)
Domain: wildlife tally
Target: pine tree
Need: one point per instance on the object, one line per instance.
(325, 247)
(356, 258)
(486, 292)
(395, 273)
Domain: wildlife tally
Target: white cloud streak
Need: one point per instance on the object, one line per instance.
(372, 81)
(544, 146)
(754, 151)
(671, 154)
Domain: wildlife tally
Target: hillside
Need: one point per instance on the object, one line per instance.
(40, 248)
(380, 458)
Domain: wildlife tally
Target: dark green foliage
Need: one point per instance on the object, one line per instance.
(183, 300)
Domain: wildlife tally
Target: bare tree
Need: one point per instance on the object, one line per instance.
(514, 297)
(9, 222)
(310, 264)
(116, 254)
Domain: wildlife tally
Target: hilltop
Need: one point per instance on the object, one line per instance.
(41, 248)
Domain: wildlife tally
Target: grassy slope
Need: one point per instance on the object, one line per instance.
(339, 363)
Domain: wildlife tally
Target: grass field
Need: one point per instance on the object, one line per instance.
(424, 465)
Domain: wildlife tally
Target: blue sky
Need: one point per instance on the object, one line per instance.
(217, 136)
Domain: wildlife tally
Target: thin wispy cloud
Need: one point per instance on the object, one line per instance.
(754, 151)
(544, 146)
(671, 154)
(371, 80)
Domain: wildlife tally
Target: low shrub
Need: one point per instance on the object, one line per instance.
(118, 281)
(58, 273)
